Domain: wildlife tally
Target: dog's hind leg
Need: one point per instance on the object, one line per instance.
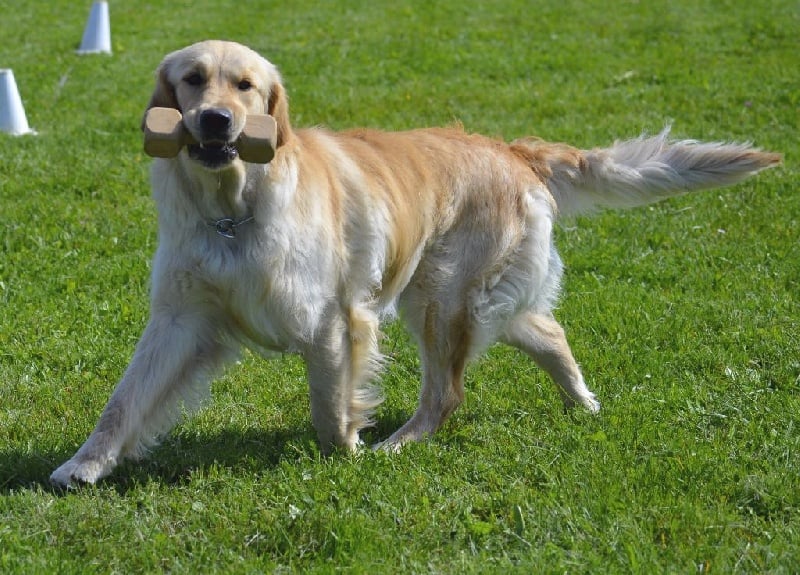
(170, 370)
(445, 342)
(342, 363)
(541, 337)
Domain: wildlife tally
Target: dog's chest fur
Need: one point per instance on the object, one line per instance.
(270, 284)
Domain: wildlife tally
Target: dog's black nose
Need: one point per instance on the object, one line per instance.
(216, 123)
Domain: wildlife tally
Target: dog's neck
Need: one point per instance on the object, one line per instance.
(224, 201)
(221, 194)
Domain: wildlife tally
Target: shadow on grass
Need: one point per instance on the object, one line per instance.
(184, 453)
(174, 461)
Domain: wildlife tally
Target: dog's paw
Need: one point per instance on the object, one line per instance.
(74, 473)
(387, 446)
(588, 402)
(592, 404)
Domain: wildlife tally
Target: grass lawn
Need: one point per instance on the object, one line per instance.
(684, 315)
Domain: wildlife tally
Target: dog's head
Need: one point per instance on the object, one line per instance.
(215, 85)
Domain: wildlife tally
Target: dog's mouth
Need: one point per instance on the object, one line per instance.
(213, 154)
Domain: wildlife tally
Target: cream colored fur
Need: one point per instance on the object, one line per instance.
(453, 229)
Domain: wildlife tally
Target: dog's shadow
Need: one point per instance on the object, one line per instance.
(174, 461)
(183, 454)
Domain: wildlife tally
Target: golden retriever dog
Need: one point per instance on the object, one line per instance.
(309, 252)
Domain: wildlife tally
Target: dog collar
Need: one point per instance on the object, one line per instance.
(226, 227)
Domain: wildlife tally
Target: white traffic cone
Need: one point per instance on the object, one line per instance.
(12, 114)
(97, 34)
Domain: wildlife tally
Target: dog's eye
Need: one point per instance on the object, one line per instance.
(194, 79)
(244, 85)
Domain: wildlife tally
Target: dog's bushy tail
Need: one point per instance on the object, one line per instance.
(639, 171)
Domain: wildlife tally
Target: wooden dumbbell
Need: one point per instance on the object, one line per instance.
(165, 135)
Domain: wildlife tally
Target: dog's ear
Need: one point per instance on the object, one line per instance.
(278, 108)
(164, 93)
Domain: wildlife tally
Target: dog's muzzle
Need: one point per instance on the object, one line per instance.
(216, 148)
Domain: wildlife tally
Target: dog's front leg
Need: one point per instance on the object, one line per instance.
(170, 369)
(342, 363)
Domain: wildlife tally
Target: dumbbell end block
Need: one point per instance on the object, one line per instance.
(256, 143)
(164, 132)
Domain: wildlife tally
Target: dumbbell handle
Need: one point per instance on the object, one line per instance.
(165, 135)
